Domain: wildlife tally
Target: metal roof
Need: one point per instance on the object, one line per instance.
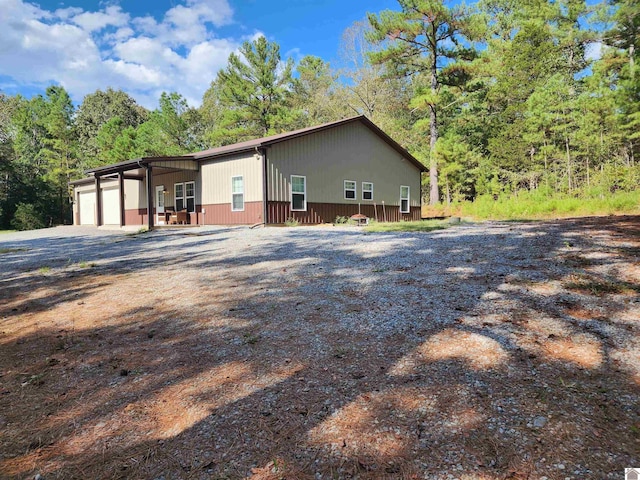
(258, 143)
(281, 137)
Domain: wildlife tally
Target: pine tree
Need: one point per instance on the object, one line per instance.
(254, 91)
(426, 37)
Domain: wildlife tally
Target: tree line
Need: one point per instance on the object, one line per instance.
(503, 97)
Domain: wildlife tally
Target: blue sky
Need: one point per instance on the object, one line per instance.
(146, 47)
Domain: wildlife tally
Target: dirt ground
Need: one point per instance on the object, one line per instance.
(491, 351)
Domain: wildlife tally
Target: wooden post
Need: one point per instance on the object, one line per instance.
(150, 196)
(121, 187)
(98, 202)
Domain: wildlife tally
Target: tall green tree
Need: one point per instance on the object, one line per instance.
(366, 88)
(625, 31)
(531, 73)
(624, 38)
(173, 129)
(44, 160)
(60, 147)
(7, 109)
(426, 37)
(97, 109)
(254, 92)
(314, 95)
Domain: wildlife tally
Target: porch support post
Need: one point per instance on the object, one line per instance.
(150, 196)
(121, 188)
(98, 202)
(265, 188)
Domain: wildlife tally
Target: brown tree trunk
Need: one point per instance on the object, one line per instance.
(448, 191)
(588, 177)
(434, 194)
(566, 142)
(546, 163)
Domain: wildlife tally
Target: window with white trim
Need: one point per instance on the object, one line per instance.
(404, 199)
(185, 196)
(179, 196)
(190, 196)
(349, 190)
(237, 193)
(298, 193)
(367, 191)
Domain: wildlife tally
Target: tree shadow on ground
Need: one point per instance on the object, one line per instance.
(288, 361)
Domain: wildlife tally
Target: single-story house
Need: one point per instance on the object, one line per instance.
(313, 175)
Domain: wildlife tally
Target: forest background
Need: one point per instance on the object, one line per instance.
(519, 109)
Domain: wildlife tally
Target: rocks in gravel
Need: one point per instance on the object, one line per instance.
(539, 422)
(352, 364)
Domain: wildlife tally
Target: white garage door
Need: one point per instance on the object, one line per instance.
(111, 206)
(87, 206)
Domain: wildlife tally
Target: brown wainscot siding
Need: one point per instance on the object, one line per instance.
(221, 214)
(279, 212)
(135, 216)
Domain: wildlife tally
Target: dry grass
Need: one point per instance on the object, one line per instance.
(591, 285)
(104, 374)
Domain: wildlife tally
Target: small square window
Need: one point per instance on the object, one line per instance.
(367, 191)
(297, 184)
(349, 190)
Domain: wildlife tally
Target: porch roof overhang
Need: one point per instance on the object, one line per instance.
(181, 162)
(82, 181)
(136, 175)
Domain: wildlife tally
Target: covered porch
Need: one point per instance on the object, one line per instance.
(149, 192)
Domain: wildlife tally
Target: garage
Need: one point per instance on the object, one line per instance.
(110, 206)
(87, 208)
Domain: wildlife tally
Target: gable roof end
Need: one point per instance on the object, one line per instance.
(273, 139)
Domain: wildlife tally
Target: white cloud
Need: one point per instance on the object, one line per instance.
(137, 74)
(13, 8)
(120, 34)
(183, 17)
(146, 24)
(65, 13)
(96, 21)
(593, 51)
(88, 50)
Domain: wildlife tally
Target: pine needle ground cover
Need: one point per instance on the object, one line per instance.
(487, 351)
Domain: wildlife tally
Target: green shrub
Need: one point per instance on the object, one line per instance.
(540, 204)
(291, 222)
(27, 217)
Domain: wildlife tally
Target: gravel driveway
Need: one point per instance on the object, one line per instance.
(488, 351)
